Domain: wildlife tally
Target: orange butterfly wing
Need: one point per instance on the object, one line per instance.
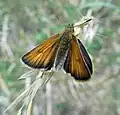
(78, 62)
(86, 56)
(43, 56)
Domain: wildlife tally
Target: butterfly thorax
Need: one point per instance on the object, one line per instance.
(65, 41)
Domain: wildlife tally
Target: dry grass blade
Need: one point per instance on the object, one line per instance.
(38, 84)
(20, 97)
(30, 108)
(20, 111)
(40, 81)
(27, 74)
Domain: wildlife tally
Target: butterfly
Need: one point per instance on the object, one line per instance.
(62, 51)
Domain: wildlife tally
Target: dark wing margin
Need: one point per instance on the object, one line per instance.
(78, 63)
(43, 56)
(86, 56)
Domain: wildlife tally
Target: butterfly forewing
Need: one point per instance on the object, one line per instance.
(43, 56)
(75, 63)
(86, 56)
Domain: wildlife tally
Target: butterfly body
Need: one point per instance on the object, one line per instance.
(61, 51)
(65, 41)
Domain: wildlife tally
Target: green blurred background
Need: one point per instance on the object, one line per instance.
(26, 23)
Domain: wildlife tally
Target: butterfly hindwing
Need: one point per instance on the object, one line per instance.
(43, 56)
(77, 61)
